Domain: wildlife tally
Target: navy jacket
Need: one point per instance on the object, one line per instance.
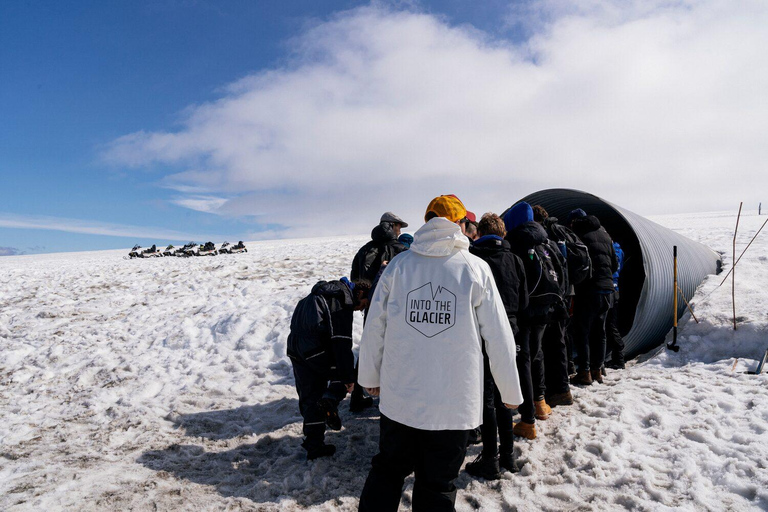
(508, 272)
(321, 330)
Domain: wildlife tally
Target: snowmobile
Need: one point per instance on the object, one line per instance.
(169, 251)
(240, 247)
(188, 250)
(209, 249)
(225, 248)
(152, 252)
(135, 252)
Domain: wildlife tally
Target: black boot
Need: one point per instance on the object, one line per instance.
(508, 462)
(330, 412)
(317, 449)
(358, 401)
(484, 467)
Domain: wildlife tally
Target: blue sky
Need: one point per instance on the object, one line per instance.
(163, 121)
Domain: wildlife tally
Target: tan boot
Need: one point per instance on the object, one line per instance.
(542, 409)
(597, 376)
(526, 430)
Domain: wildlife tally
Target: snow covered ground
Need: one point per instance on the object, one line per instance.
(164, 384)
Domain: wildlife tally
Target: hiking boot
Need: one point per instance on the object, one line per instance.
(582, 378)
(331, 413)
(597, 376)
(602, 371)
(323, 450)
(526, 430)
(616, 365)
(475, 437)
(571, 368)
(484, 467)
(359, 403)
(508, 462)
(560, 399)
(542, 409)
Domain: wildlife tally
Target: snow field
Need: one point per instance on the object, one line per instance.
(163, 384)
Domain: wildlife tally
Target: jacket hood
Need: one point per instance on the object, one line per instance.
(527, 235)
(518, 214)
(439, 237)
(384, 232)
(586, 224)
(334, 289)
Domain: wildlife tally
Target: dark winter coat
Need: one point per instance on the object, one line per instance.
(321, 330)
(508, 272)
(531, 236)
(600, 246)
(383, 247)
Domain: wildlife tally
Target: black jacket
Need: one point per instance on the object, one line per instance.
(531, 236)
(508, 272)
(600, 246)
(383, 247)
(321, 330)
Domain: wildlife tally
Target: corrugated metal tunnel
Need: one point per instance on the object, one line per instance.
(645, 311)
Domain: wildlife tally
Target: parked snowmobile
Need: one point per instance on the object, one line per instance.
(208, 249)
(169, 251)
(135, 252)
(240, 247)
(225, 248)
(188, 250)
(152, 252)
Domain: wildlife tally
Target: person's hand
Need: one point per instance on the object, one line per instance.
(350, 387)
(373, 391)
(510, 406)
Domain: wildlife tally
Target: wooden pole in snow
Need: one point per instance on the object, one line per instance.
(733, 272)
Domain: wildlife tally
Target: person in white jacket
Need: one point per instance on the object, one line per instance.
(421, 352)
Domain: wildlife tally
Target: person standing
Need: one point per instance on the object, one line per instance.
(320, 350)
(546, 279)
(594, 298)
(434, 310)
(614, 343)
(509, 275)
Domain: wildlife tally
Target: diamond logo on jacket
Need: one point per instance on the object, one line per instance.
(431, 311)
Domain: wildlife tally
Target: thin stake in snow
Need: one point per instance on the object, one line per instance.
(733, 272)
(742, 252)
(690, 310)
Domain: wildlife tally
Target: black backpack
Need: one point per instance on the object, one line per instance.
(577, 254)
(548, 277)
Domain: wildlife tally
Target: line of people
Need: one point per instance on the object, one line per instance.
(465, 321)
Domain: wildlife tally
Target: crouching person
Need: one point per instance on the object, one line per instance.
(320, 349)
(435, 308)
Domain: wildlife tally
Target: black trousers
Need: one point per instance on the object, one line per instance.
(554, 346)
(530, 364)
(434, 456)
(312, 384)
(614, 344)
(496, 416)
(589, 312)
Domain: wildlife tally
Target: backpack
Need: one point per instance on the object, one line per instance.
(576, 253)
(549, 281)
(367, 261)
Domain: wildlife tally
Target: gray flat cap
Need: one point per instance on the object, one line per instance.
(391, 217)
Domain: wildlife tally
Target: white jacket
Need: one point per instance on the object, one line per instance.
(421, 345)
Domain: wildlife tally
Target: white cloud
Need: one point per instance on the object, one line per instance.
(90, 227)
(654, 105)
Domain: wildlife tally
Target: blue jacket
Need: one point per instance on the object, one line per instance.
(620, 257)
